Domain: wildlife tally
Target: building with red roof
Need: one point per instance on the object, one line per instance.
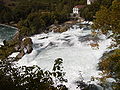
(77, 8)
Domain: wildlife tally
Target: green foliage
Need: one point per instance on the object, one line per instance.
(5, 51)
(87, 14)
(58, 72)
(24, 8)
(28, 78)
(102, 20)
(7, 48)
(110, 65)
(20, 9)
(38, 21)
(5, 14)
(108, 20)
(82, 2)
(32, 25)
(90, 10)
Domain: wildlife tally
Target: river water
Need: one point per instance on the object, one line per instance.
(6, 33)
(73, 46)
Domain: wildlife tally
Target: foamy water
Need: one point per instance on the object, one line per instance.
(73, 47)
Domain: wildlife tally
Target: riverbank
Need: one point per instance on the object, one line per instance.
(15, 43)
(17, 39)
(10, 25)
(19, 43)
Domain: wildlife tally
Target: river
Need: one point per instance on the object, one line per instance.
(6, 32)
(73, 46)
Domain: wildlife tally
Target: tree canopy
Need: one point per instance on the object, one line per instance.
(108, 19)
(13, 77)
(108, 22)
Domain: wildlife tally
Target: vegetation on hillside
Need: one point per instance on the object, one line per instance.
(20, 9)
(39, 21)
(33, 16)
(88, 13)
(108, 21)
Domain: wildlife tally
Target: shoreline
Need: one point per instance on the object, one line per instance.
(9, 25)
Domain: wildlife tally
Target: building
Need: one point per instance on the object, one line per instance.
(77, 8)
(89, 2)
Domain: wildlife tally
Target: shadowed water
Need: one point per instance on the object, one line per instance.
(6, 32)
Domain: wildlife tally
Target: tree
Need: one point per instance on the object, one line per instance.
(29, 78)
(5, 14)
(110, 66)
(107, 21)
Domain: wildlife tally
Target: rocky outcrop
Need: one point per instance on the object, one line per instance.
(19, 44)
(17, 47)
(20, 55)
(26, 45)
(58, 28)
(24, 48)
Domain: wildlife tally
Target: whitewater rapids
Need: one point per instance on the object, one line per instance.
(73, 47)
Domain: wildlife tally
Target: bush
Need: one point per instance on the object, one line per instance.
(110, 66)
(30, 78)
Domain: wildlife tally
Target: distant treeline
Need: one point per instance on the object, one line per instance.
(33, 16)
(15, 10)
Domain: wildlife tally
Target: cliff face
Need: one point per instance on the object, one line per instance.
(25, 47)
(16, 44)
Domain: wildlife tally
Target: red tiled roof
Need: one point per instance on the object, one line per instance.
(79, 6)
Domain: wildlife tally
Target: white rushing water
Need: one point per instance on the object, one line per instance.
(1, 42)
(73, 47)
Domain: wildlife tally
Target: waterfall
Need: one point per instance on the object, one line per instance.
(73, 46)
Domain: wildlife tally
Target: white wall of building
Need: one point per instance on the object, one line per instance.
(75, 10)
(88, 2)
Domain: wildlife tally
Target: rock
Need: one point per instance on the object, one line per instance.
(17, 47)
(71, 22)
(27, 45)
(20, 55)
(16, 36)
(24, 47)
(29, 48)
(58, 28)
(63, 28)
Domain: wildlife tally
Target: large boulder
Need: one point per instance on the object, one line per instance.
(58, 28)
(26, 45)
(17, 47)
(20, 55)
